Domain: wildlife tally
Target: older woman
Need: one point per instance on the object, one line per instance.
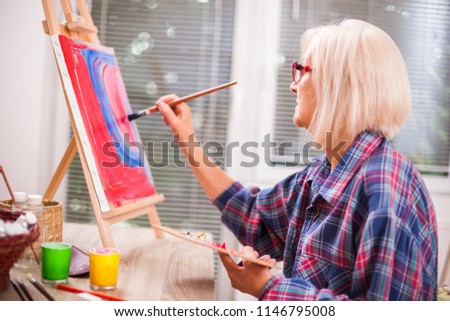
(357, 223)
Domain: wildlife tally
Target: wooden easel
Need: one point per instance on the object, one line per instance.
(82, 27)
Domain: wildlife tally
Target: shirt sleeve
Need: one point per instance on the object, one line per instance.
(260, 218)
(397, 253)
(393, 263)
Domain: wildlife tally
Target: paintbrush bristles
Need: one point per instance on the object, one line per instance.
(132, 117)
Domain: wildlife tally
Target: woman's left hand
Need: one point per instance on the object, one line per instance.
(249, 277)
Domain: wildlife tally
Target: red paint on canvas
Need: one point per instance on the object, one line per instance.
(104, 105)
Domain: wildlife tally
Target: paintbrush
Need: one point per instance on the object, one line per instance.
(40, 288)
(75, 290)
(16, 288)
(7, 185)
(24, 290)
(153, 109)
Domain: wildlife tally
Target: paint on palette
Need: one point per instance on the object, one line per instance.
(103, 103)
(202, 236)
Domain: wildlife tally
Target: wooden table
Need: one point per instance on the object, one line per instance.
(150, 269)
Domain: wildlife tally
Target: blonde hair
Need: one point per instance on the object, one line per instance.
(360, 79)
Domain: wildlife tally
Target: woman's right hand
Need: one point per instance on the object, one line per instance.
(178, 118)
(211, 177)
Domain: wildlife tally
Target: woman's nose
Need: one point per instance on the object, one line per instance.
(293, 87)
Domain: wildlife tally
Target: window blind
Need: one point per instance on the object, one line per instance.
(421, 29)
(165, 47)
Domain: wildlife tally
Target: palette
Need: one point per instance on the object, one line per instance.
(214, 246)
(79, 262)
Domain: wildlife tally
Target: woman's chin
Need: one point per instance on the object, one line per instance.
(298, 121)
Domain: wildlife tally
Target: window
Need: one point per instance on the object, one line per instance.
(421, 30)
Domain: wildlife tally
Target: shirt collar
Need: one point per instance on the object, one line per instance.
(332, 186)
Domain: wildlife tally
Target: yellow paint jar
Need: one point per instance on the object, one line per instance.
(103, 268)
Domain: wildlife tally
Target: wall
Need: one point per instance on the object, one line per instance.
(33, 115)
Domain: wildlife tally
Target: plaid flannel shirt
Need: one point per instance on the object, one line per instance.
(365, 231)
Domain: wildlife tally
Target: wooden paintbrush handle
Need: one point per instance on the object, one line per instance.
(154, 109)
(2, 171)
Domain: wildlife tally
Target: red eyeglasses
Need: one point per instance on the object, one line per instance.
(298, 71)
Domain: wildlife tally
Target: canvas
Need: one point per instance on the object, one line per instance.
(99, 104)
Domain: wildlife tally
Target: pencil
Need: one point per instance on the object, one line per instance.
(75, 290)
(153, 109)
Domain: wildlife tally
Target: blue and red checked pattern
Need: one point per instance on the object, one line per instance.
(365, 231)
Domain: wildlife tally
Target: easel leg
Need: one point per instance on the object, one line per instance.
(105, 232)
(61, 170)
(154, 220)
